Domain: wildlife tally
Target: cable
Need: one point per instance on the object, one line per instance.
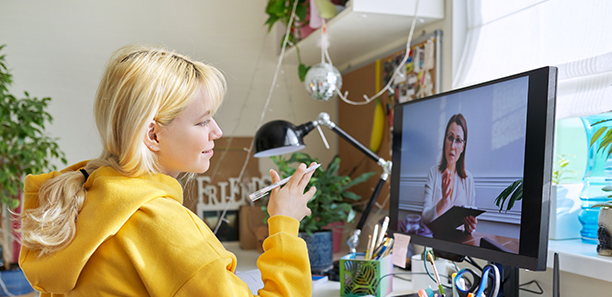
(395, 274)
(263, 113)
(395, 73)
(540, 292)
(431, 276)
(471, 261)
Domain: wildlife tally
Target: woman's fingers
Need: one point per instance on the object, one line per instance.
(308, 195)
(297, 176)
(290, 200)
(306, 177)
(275, 178)
(470, 223)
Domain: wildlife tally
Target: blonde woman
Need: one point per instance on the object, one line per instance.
(116, 226)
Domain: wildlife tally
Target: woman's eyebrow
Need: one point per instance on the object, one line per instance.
(207, 113)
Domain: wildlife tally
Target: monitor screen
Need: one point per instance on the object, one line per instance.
(454, 153)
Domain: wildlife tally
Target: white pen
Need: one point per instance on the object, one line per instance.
(383, 231)
(262, 192)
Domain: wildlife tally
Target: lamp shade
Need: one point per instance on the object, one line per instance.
(280, 137)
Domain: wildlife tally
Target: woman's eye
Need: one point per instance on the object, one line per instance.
(204, 123)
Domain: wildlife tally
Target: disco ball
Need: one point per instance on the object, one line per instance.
(322, 81)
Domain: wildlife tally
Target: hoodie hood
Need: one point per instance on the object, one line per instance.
(111, 199)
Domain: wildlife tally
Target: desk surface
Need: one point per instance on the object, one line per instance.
(575, 257)
(247, 260)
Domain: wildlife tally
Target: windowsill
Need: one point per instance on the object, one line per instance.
(580, 258)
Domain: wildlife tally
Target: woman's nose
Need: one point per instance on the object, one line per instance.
(216, 132)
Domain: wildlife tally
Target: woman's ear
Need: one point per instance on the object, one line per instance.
(150, 138)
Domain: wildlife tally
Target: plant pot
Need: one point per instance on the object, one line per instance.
(15, 282)
(604, 230)
(564, 210)
(320, 250)
(337, 230)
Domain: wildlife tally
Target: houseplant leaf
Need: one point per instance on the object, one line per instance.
(330, 202)
(505, 194)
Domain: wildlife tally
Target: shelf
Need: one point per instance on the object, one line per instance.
(366, 27)
(580, 258)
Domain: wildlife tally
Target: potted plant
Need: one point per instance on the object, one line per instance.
(330, 204)
(280, 11)
(565, 204)
(25, 148)
(604, 237)
(604, 230)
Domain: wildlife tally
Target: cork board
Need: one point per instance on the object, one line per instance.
(421, 78)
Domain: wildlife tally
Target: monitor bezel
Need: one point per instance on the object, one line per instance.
(537, 173)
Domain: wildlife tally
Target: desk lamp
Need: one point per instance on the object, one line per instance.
(281, 137)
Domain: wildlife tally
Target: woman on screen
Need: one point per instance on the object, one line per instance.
(449, 183)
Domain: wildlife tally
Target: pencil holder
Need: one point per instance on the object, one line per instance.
(360, 277)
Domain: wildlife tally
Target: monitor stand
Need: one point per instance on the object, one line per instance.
(510, 280)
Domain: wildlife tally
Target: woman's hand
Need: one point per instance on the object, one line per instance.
(447, 189)
(469, 223)
(444, 204)
(290, 200)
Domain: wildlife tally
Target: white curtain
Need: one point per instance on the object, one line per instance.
(507, 37)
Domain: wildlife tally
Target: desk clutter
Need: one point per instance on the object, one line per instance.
(369, 273)
(361, 277)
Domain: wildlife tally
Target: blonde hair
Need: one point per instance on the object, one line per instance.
(140, 85)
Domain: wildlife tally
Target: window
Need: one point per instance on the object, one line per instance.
(507, 37)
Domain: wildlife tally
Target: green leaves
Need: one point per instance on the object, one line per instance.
(605, 133)
(280, 11)
(516, 189)
(331, 202)
(302, 70)
(560, 172)
(25, 148)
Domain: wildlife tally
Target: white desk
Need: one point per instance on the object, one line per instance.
(583, 272)
(247, 260)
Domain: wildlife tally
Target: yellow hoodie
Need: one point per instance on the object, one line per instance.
(135, 238)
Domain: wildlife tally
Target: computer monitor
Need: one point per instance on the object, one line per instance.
(455, 152)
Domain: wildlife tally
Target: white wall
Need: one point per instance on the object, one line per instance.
(58, 49)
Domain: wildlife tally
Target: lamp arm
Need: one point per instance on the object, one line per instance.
(324, 119)
(353, 239)
(373, 198)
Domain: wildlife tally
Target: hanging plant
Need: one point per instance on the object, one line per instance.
(280, 11)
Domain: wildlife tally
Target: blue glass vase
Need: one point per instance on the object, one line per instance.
(598, 175)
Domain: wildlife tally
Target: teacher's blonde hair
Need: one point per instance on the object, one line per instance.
(140, 85)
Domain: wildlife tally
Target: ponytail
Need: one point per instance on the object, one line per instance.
(51, 226)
